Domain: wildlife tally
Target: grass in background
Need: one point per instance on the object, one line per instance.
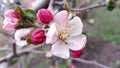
(106, 25)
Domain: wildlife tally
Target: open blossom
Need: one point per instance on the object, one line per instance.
(20, 36)
(65, 35)
(38, 37)
(44, 16)
(9, 24)
(11, 20)
(11, 14)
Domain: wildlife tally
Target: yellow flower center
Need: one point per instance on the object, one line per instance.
(63, 35)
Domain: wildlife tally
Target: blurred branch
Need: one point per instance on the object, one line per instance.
(5, 49)
(100, 4)
(17, 2)
(38, 4)
(58, 3)
(32, 50)
(91, 62)
(6, 34)
(20, 53)
(73, 3)
(50, 7)
(36, 51)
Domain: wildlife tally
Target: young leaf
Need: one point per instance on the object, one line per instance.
(28, 37)
(19, 11)
(67, 7)
(30, 15)
(111, 5)
(63, 64)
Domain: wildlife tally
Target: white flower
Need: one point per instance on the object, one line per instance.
(20, 35)
(65, 35)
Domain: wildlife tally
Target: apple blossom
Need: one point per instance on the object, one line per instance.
(20, 36)
(65, 35)
(11, 14)
(11, 20)
(38, 37)
(10, 24)
(44, 16)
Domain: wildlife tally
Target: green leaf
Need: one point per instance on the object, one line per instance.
(46, 28)
(30, 15)
(111, 5)
(28, 37)
(84, 33)
(27, 15)
(63, 64)
(19, 11)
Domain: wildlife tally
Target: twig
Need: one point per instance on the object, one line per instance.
(5, 49)
(6, 34)
(91, 62)
(58, 3)
(73, 3)
(101, 4)
(38, 4)
(19, 53)
(50, 7)
(36, 51)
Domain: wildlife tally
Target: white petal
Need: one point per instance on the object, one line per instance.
(51, 35)
(61, 19)
(22, 33)
(60, 49)
(75, 26)
(77, 42)
(6, 21)
(21, 43)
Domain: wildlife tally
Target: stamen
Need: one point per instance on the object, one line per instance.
(63, 35)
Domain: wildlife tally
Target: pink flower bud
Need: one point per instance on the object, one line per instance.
(11, 14)
(75, 54)
(38, 37)
(44, 16)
